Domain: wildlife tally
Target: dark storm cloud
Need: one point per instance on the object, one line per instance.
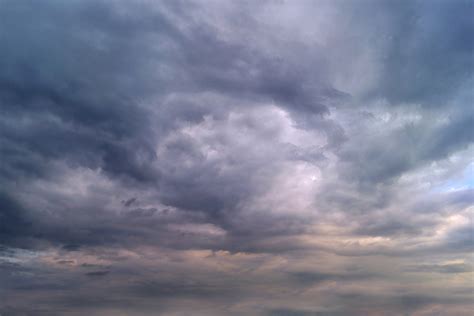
(81, 96)
(67, 96)
(13, 223)
(429, 50)
(174, 157)
(76, 79)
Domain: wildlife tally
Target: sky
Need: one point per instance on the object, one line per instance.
(260, 158)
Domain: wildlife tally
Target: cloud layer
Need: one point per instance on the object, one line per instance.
(236, 158)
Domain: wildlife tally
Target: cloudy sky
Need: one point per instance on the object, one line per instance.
(207, 158)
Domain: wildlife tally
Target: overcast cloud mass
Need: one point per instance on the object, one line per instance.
(267, 158)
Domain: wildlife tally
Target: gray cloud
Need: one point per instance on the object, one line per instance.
(175, 158)
(442, 268)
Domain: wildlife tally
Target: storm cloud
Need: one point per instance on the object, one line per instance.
(236, 158)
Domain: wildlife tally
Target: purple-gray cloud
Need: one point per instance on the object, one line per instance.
(236, 158)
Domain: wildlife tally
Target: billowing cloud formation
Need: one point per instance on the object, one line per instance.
(236, 158)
